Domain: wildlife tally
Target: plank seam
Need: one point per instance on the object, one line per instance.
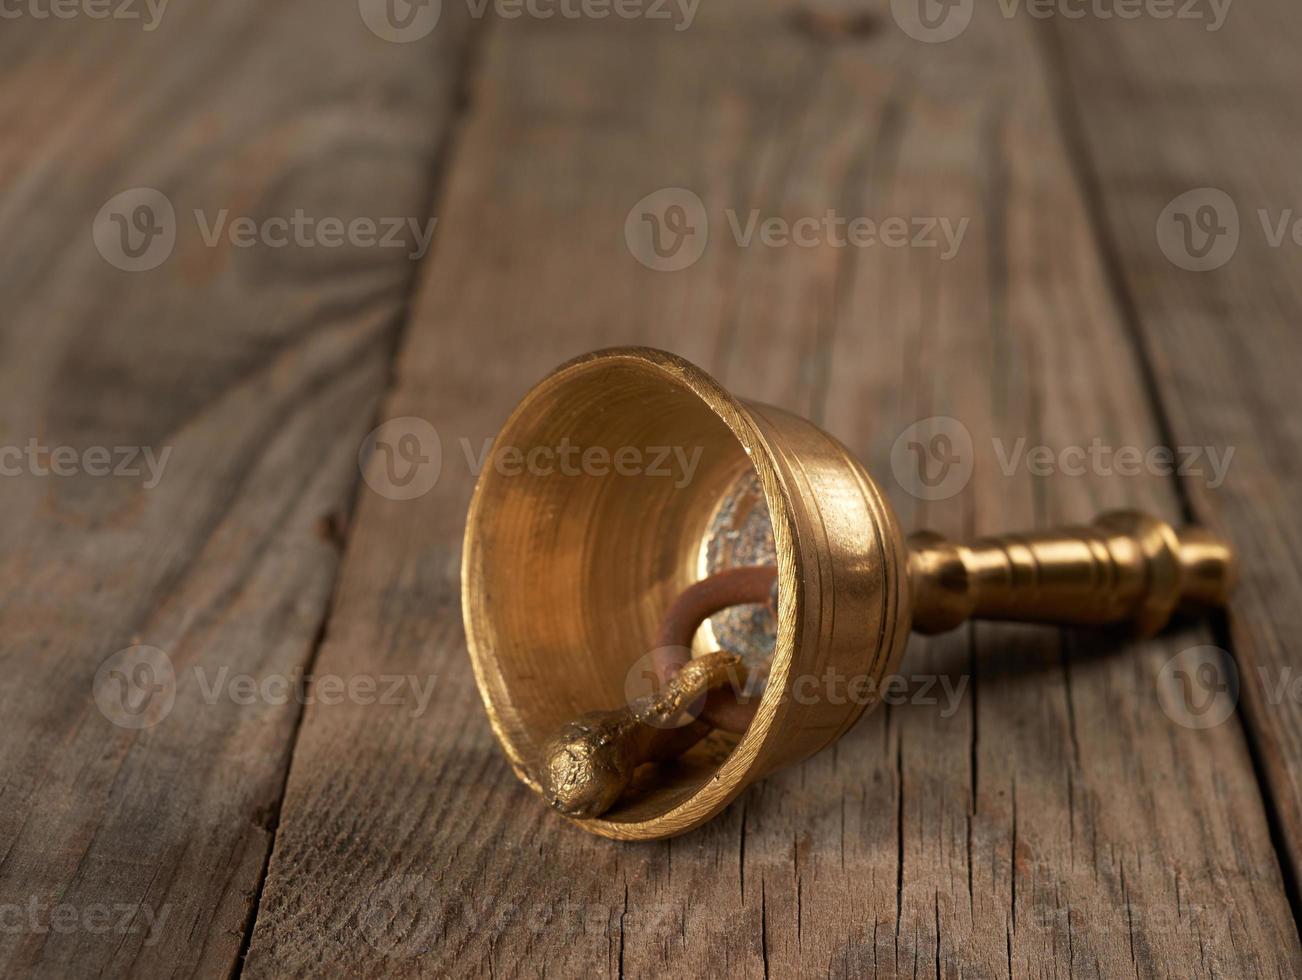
(1067, 113)
(460, 108)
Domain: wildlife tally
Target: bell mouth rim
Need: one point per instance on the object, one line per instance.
(743, 764)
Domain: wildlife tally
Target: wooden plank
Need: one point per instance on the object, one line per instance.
(1057, 821)
(252, 374)
(1223, 342)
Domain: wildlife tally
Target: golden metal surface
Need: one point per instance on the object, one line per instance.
(1125, 567)
(588, 765)
(567, 570)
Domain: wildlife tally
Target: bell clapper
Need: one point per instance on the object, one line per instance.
(589, 763)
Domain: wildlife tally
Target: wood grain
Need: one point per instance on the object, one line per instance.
(1058, 822)
(1223, 345)
(126, 852)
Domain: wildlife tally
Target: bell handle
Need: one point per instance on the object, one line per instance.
(1125, 567)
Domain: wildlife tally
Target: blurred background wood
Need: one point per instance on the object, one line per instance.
(1155, 115)
(1056, 821)
(258, 371)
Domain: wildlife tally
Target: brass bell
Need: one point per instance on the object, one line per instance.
(569, 571)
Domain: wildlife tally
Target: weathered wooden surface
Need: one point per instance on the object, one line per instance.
(1059, 822)
(1051, 820)
(1224, 343)
(141, 852)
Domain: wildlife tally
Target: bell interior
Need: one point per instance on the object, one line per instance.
(590, 518)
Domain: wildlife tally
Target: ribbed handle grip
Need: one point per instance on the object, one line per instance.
(1125, 567)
